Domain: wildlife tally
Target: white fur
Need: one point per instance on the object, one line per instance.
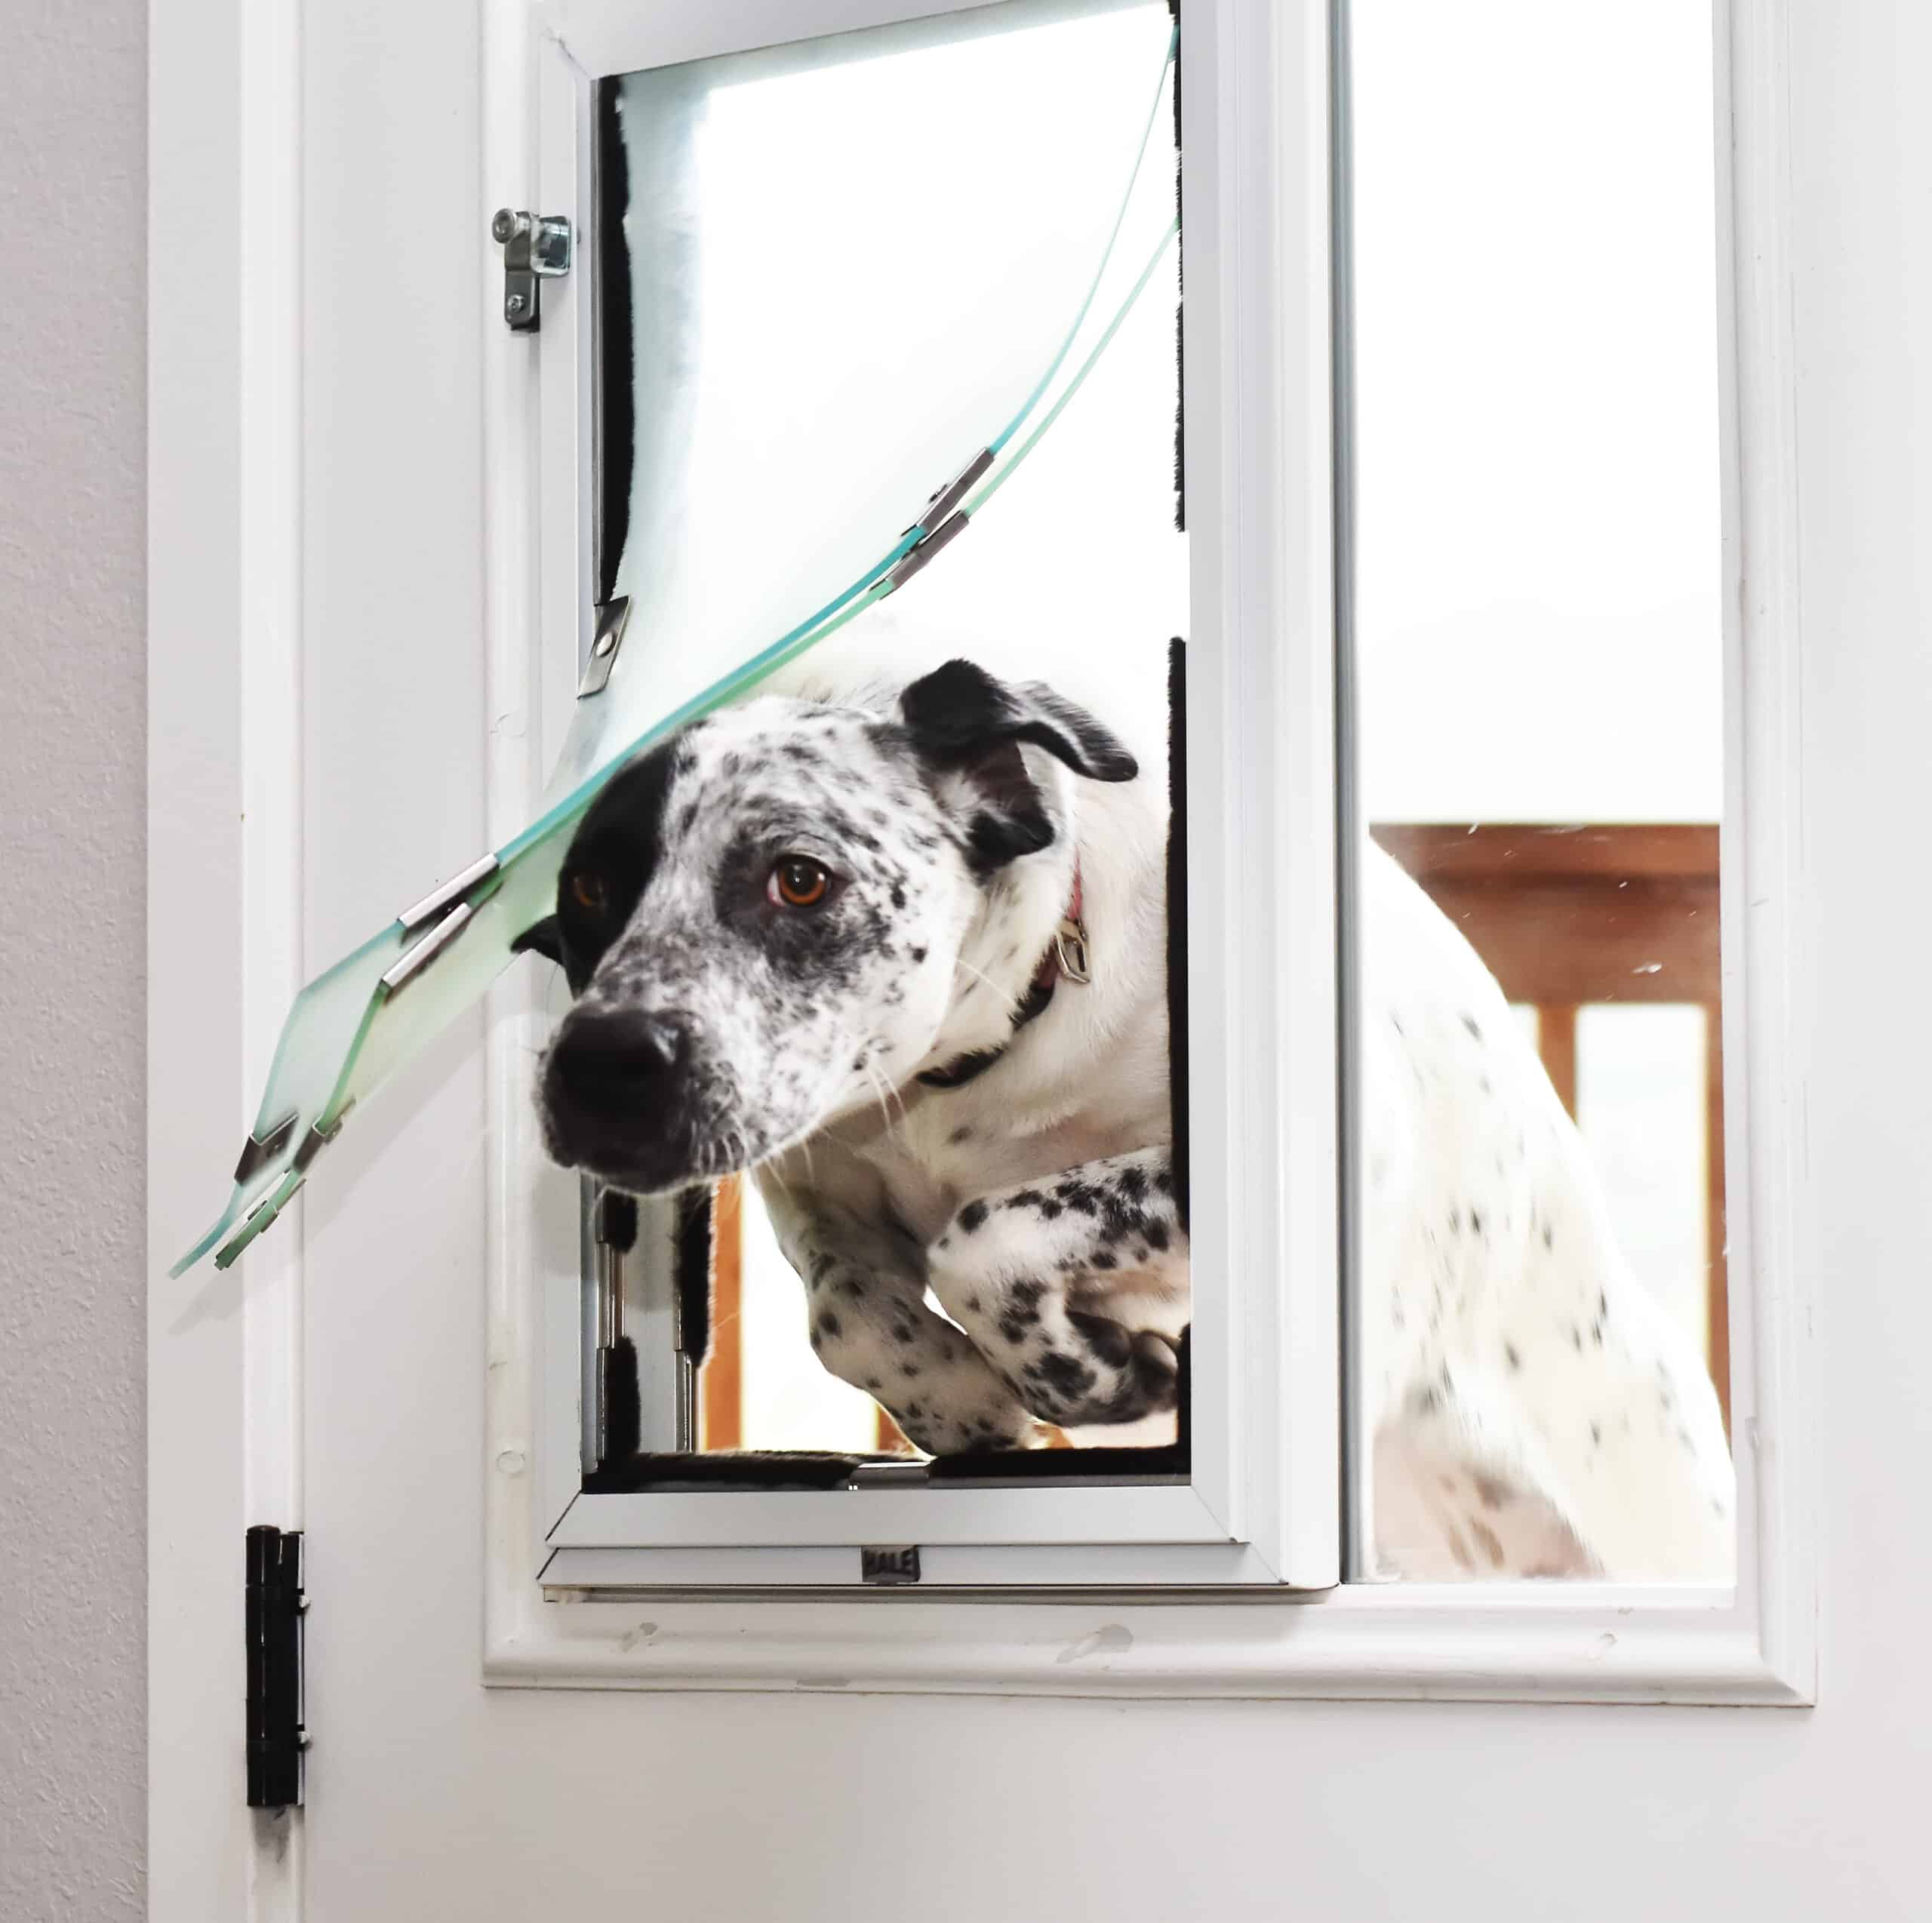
(1531, 1409)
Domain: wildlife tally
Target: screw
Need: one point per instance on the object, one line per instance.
(503, 225)
(514, 305)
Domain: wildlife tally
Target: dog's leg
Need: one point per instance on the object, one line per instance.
(1075, 1286)
(870, 1326)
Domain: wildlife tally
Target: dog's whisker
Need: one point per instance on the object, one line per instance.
(1010, 1000)
(882, 1095)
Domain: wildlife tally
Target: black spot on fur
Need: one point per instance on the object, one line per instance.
(1065, 1375)
(1108, 1340)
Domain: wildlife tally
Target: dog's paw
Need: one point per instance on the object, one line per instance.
(1030, 1271)
(1102, 1374)
(993, 1428)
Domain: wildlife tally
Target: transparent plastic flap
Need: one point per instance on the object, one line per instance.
(767, 509)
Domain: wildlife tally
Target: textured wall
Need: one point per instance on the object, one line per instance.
(73, 1564)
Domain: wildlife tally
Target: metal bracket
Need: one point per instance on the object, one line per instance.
(414, 960)
(938, 519)
(537, 246)
(946, 532)
(612, 618)
(943, 500)
(259, 1150)
(317, 1139)
(435, 903)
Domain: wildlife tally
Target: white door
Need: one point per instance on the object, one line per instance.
(344, 437)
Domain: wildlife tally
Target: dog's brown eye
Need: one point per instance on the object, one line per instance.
(587, 887)
(798, 882)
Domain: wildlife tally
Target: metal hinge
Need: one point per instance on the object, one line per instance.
(537, 247)
(272, 1620)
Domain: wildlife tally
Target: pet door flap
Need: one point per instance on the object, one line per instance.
(834, 365)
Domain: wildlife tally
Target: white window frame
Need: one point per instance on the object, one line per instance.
(1261, 1505)
(226, 1407)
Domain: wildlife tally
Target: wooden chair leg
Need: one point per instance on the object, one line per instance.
(1556, 1042)
(721, 1382)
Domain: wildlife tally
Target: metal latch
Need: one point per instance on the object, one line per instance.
(537, 246)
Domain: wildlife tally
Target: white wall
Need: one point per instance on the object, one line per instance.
(72, 869)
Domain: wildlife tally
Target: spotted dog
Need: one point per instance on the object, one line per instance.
(806, 938)
(899, 949)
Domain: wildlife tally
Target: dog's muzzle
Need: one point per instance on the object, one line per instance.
(616, 1096)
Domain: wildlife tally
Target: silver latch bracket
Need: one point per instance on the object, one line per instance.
(537, 247)
(612, 618)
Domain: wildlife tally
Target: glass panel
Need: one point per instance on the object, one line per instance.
(840, 290)
(1538, 684)
(1640, 1103)
(849, 265)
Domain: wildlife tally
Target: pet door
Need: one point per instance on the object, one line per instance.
(790, 317)
(868, 354)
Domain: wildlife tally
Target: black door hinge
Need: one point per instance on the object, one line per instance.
(275, 1607)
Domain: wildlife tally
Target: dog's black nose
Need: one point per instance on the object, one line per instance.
(620, 1062)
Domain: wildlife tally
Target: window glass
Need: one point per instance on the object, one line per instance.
(1538, 676)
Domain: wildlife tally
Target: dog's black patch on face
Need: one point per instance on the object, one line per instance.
(617, 846)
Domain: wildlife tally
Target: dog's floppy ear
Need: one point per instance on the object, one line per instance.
(957, 712)
(962, 722)
(541, 938)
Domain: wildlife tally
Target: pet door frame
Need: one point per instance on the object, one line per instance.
(1262, 1505)
(1255, 81)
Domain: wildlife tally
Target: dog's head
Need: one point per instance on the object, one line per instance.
(767, 921)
